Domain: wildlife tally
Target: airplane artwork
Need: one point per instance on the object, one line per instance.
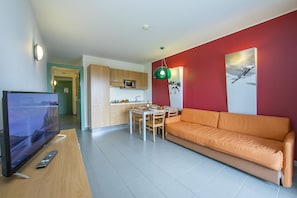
(245, 71)
(241, 81)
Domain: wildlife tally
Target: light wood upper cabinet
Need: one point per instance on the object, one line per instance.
(131, 75)
(99, 107)
(142, 81)
(118, 76)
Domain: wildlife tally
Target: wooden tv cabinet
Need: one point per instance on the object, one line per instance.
(65, 175)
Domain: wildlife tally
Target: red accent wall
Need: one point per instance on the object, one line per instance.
(204, 70)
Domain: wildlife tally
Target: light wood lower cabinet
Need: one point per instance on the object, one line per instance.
(100, 116)
(119, 114)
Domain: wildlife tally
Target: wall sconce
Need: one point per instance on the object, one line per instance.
(38, 52)
(162, 72)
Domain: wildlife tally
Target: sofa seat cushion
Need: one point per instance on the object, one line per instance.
(265, 152)
(178, 128)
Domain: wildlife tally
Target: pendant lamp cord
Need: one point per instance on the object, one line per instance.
(163, 60)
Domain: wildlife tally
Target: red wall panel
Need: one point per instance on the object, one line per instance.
(204, 69)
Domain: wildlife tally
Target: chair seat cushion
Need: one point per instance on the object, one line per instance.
(157, 123)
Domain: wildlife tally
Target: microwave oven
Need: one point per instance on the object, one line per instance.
(129, 83)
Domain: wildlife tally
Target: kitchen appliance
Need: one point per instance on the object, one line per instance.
(129, 83)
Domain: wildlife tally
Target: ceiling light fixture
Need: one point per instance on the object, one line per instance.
(146, 27)
(38, 52)
(162, 72)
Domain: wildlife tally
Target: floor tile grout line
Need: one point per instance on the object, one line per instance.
(241, 186)
(278, 191)
(174, 178)
(145, 176)
(113, 167)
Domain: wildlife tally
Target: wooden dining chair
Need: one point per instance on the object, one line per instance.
(172, 112)
(157, 122)
(136, 118)
(148, 118)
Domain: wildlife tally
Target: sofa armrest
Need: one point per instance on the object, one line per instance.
(288, 165)
(172, 119)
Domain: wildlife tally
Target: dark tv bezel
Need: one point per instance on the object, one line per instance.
(7, 169)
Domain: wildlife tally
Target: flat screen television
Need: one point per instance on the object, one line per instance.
(30, 121)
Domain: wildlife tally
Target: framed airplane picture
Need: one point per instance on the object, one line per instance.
(241, 81)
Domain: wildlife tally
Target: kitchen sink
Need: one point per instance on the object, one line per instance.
(136, 101)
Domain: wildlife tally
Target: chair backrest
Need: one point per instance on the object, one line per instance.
(172, 112)
(158, 117)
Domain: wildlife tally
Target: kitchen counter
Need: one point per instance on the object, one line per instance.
(128, 103)
(119, 112)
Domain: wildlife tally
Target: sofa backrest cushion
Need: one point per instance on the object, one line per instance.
(204, 117)
(257, 125)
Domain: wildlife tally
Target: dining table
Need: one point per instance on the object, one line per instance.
(144, 111)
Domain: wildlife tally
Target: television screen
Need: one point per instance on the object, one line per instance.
(30, 120)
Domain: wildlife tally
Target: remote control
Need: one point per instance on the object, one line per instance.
(46, 160)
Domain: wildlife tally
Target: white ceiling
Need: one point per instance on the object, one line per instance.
(113, 29)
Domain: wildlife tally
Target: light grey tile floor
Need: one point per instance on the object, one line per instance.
(122, 165)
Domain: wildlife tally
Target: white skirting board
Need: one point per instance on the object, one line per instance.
(102, 130)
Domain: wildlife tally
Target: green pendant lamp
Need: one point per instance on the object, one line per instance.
(162, 72)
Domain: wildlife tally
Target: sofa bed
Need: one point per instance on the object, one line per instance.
(260, 145)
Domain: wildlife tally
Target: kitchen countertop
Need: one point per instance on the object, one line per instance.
(130, 102)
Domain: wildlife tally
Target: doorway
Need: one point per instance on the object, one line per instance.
(64, 90)
(67, 82)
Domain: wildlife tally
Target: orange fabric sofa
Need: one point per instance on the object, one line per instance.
(260, 145)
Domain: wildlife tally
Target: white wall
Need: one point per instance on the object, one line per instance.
(117, 93)
(19, 32)
(18, 69)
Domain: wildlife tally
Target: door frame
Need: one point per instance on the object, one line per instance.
(81, 85)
